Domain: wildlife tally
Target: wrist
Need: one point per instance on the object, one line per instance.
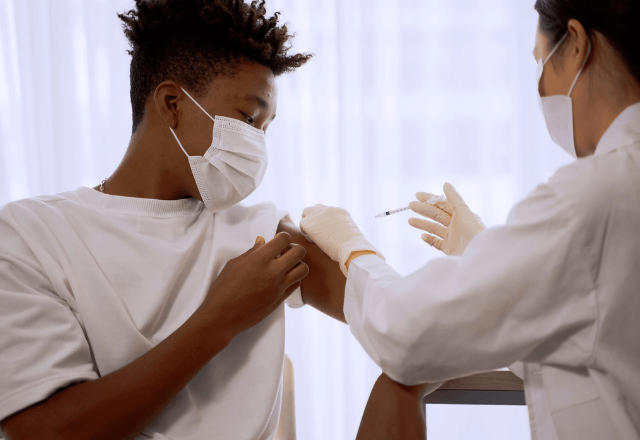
(215, 331)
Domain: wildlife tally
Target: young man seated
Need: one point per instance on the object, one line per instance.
(151, 305)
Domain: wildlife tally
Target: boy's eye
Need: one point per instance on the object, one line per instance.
(248, 119)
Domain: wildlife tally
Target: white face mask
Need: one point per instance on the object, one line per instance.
(233, 167)
(558, 110)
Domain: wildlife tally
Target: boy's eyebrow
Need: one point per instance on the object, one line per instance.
(261, 102)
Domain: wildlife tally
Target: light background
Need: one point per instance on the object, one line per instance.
(402, 96)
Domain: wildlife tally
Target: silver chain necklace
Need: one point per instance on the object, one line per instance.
(102, 185)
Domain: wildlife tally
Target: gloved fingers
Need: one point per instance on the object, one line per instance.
(440, 202)
(313, 210)
(428, 226)
(445, 205)
(454, 198)
(302, 224)
(309, 216)
(308, 211)
(424, 197)
(431, 212)
(321, 209)
(433, 241)
(306, 236)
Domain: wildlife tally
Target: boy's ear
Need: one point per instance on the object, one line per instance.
(167, 97)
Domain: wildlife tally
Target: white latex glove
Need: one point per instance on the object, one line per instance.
(335, 232)
(454, 224)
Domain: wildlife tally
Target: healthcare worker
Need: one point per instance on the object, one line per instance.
(558, 287)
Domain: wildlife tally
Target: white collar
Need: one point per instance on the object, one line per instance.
(624, 131)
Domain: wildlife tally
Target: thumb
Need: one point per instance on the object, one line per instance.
(454, 198)
(303, 222)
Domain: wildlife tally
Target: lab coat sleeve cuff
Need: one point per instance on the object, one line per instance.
(365, 310)
(363, 271)
(517, 369)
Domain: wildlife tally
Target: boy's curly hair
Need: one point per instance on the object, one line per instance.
(194, 41)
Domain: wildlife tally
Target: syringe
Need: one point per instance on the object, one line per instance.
(431, 201)
(388, 213)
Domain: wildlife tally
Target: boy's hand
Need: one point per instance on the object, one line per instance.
(253, 285)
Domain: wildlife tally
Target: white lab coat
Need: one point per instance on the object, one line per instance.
(557, 287)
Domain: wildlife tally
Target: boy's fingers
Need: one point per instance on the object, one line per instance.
(259, 243)
(295, 275)
(291, 256)
(279, 243)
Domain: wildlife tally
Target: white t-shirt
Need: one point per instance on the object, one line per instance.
(90, 282)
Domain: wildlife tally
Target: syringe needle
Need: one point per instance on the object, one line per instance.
(433, 201)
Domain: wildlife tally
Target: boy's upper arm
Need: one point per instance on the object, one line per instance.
(324, 287)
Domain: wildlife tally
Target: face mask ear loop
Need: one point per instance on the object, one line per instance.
(555, 49)
(584, 63)
(178, 140)
(196, 103)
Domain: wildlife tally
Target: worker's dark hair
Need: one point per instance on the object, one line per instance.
(194, 41)
(616, 20)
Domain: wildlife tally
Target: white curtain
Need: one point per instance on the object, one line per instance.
(402, 96)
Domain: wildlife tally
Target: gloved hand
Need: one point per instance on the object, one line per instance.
(454, 223)
(335, 232)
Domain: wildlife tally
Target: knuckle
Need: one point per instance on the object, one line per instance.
(285, 237)
(301, 251)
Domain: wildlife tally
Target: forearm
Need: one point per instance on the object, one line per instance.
(122, 404)
(393, 411)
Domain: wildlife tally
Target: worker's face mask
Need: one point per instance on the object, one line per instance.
(558, 110)
(233, 167)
